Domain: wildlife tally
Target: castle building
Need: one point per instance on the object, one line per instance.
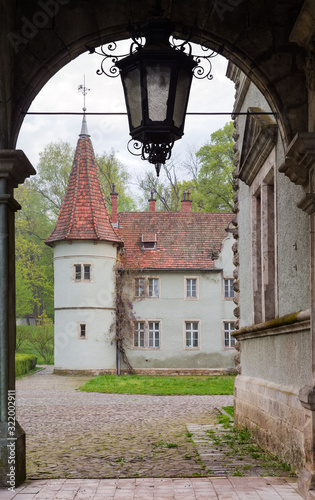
(181, 281)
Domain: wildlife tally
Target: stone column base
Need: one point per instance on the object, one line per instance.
(12, 457)
(306, 484)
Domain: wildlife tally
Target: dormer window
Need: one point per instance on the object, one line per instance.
(148, 241)
(149, 245)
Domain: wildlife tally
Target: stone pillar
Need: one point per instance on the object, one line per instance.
(14, 169)
(299, 167)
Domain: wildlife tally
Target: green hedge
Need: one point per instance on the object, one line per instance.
(24, 363)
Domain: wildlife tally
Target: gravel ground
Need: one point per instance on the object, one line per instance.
(73, 434)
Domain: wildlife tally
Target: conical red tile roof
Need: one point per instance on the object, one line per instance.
(83, 214)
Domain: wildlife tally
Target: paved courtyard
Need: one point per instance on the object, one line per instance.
(232, 488)
(88, 446)
(73, 434)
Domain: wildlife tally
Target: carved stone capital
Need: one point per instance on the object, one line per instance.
(307, 203)
(15, 166)
(307, 397)
(300, 157)
(259, 139)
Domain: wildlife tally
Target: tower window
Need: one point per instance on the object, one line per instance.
(82, 330)
(87, 272)
(82, 272)
(77, 272)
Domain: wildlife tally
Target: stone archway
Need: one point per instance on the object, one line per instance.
(38, 39)
(269, 41)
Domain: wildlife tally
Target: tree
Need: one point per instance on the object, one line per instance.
(214, 192)
(54, 168)
(34, 265)
(167, 192)
(208, 177)
(112, 171)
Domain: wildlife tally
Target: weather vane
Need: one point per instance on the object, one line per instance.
(84, 90)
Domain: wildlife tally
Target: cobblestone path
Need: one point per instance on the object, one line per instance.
(73, 434)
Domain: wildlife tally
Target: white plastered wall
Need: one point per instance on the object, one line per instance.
(85, 302)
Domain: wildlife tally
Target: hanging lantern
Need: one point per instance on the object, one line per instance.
(156, 80)
(156, 77)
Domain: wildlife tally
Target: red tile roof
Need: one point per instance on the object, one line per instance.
(83, 215)
(184, 240)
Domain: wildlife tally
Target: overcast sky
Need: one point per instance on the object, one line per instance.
(106, 95)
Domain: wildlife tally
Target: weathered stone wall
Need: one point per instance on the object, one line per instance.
(274, 416)
(266, 391)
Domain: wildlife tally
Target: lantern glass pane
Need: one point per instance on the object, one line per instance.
(181, 98)
(133, 96)
(158, 85)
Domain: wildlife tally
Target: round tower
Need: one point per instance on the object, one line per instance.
(85, 251)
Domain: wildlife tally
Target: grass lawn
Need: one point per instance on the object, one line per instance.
(28, 349)
(229, 410)
(159, 385)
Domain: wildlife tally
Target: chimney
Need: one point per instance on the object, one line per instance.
(114, 197)
(186, 203)
(152, 203)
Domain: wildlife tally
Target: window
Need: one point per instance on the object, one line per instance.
(147, 334)
(191, 288)
(191, 334)
(264, 249)
(87, 272)
(139, 287)
(147, 287)
(149, 245)
(138, 340)
(153, 287)
(149, 241)
(82, 272)
(228, 328)
(228, 288)
(77, 271)
(154, 334)
(82, 331)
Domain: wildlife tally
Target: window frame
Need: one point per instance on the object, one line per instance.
(186, 278)
(229, 297)
(146, 323)
(191, 348)
(82, 278)
(139, 331)
(80, 324)
(136, 287)
(146, 292)
(224, 331)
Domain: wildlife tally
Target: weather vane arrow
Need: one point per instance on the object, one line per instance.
(84, 90)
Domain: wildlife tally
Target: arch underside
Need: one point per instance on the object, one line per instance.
(36, 42)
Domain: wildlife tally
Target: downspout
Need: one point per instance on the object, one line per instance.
(118, 356)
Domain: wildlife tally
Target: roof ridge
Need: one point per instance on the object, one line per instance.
(91, 188)
(75, 191)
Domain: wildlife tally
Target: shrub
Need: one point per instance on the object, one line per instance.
(22, 335)
(24, 363)
(41, 338)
